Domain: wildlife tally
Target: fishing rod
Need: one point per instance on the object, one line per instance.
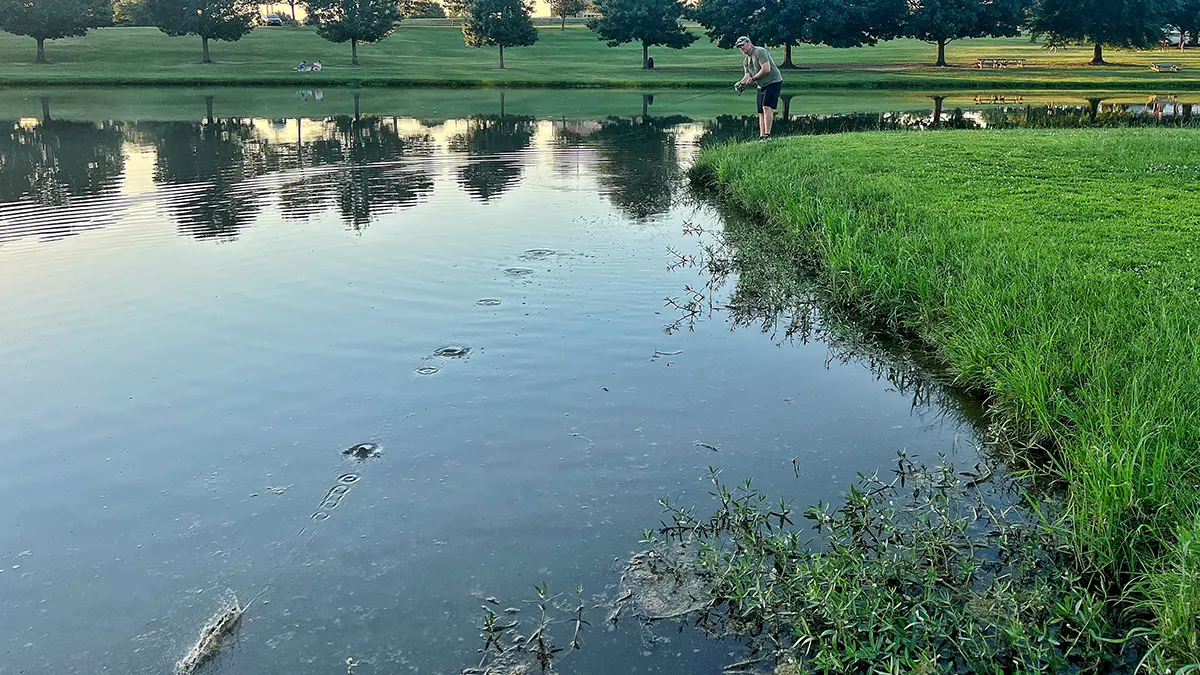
(707, 93)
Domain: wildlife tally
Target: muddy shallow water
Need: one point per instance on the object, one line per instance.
(369, 373)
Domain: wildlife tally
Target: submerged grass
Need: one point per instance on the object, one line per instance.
(1055, 270)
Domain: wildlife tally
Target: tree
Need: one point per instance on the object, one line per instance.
(227, 20)
(1129, 24)
(1185, 16)
(503, 23)
(837, 23)
(354, 21)
(457, 8)
(651, 22)
(941, 21)
(53, 19)
(131, 13)
(564, 8)
(423, 9)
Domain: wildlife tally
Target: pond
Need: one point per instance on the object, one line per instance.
(211, 303)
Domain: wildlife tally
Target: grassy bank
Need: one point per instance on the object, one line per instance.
(431, 55)
(1054, 270)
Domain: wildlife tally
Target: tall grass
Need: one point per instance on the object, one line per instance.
(1055, 270)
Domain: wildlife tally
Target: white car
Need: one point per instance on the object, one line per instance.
(274, 20)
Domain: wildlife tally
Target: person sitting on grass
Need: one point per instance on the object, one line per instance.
(316, 67)
(302, 67)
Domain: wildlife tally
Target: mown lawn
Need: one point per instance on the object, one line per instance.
(1056, 271)
(436, 55)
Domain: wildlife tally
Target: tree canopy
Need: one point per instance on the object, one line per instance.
(564, 8)
(941, 21)
(53, 19)
(457, 8)
(355, 21)
(1185, 15)
(500, 23)
(651, 22)
(227, 20)
(837, 23)
(1114, 23)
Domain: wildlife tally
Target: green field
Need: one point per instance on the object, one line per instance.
(428, 55)
(1055, 271)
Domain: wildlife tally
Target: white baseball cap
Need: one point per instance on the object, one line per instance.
(741, 41)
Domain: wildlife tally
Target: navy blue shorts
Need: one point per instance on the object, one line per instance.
(768, 96)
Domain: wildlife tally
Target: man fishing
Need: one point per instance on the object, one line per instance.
(764, 74)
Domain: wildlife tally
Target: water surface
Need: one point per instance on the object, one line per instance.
(201, 314)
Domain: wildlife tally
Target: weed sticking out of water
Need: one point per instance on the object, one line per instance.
(924, 571)
(208, 644)
(518, 271)
(488, 302)
(427, 370)
(506, 652)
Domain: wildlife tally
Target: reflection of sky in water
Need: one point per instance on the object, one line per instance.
(177, 406)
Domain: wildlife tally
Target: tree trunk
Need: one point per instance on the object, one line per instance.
(1098, 56)
(787, 106)
(204, 42)
(45, 109)
(564, 23)
(941, 54)
(353, 52)
(208, 106)
(645, 56)
(1093, 109)
(501, 105)
(41, 54)
(787, 56)
(357, 108)
(293, 5)
(501, 57)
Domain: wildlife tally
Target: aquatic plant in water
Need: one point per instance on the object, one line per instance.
(923, 571)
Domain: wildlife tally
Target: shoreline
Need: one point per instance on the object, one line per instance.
(1070, 337)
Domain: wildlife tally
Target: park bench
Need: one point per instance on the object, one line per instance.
(1172, 66)
(999, 63)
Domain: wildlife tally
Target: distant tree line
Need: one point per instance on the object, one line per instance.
(774, 23)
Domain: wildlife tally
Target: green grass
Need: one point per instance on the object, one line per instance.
(429, 55)
(1056, 271)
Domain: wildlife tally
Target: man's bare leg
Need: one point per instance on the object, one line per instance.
(768, 120)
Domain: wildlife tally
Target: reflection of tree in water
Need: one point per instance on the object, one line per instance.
(1096, 113)
(745, 127)
(639, 165)
(487, 179)
(54, 161)
(774, 290)
(370, 178)
(218, 156)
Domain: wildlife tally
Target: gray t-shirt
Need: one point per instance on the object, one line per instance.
(753, 62)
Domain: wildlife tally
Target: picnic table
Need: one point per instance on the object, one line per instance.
(1171, 66)
(999, 63)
